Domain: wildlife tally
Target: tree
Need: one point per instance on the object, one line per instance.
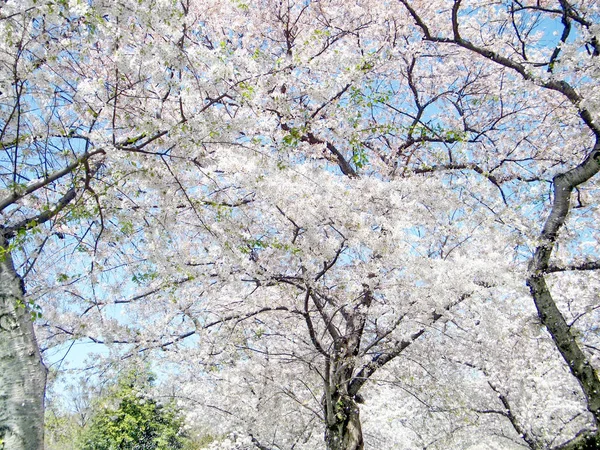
(487, 122)
(362, 128)
(552, 68)
(306, 204)
(70, 406)
(128, 418)
(246, 240)
(64, 91)
(46, 168)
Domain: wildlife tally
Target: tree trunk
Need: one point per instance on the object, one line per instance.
(343, 428)
(548, 311)
(22, 374)
(566, 343)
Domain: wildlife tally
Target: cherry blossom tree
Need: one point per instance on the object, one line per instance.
(308, 208)
(72, 98)
(490, 137)
(46, 170)
(568, 69)
(485, 126)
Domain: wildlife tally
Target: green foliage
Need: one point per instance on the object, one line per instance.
(241, 5)
(293, 138)
(421, 131)
(141, 278)
(359, 155)
(62, 278)
(127, 228)
(247, 90)
(128, 419)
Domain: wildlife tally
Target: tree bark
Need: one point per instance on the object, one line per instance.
(22, 373)
(344, 431)
(548, 312)
(566, 343)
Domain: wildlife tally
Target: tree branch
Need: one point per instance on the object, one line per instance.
(382, 359)
(588, 265)
(16, 196)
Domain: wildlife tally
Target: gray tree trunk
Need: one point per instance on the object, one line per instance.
(548, 311)
(22, 374)
(344, 431)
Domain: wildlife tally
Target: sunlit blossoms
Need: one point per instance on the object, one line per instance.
(327, 224)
